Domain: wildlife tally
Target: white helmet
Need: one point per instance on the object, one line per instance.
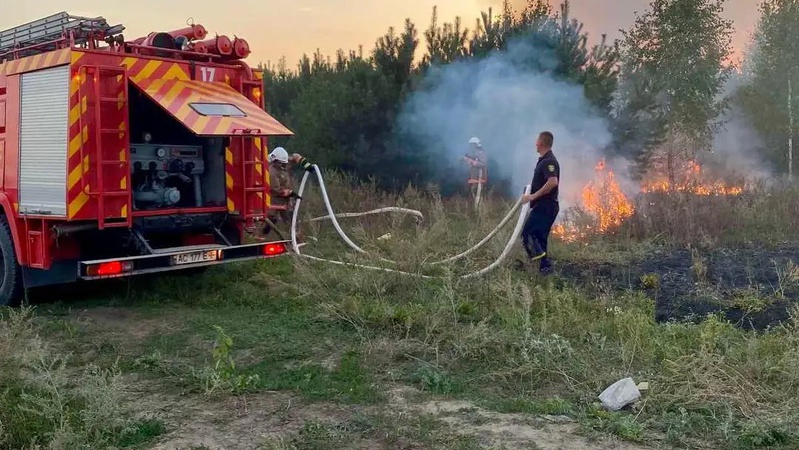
(475, 140)
(279, 154)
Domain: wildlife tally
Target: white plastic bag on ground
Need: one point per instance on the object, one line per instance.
(620, 394)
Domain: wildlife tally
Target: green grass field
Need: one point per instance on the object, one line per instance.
(295, 354)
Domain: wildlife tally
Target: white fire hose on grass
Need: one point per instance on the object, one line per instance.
(525, 208)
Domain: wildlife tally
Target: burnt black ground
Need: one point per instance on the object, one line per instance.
(743, 283)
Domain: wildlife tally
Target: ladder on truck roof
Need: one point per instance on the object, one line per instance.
(52, 32)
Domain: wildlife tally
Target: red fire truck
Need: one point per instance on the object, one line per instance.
(122, 157)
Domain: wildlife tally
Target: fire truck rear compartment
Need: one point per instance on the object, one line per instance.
(171, 167)
(173, 171)
(179, 179)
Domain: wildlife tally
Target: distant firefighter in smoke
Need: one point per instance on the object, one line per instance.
(281, 183)
(478, 169)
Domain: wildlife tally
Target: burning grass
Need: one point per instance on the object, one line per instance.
(603, 205)
(686, 207)
(692, 179)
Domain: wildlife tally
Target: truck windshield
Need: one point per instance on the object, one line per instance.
(218, 109)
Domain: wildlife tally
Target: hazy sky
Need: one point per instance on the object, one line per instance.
(275, 28)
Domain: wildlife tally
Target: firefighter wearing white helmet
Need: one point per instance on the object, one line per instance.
(281, 185)
(478, 168)
(279, 154)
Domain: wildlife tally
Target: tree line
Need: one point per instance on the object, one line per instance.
(662, 85)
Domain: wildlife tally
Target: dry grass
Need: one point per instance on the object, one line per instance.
(48, 405)
(759, 214)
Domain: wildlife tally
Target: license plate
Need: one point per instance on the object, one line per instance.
(195, 257)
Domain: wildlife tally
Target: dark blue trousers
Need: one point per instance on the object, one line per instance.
(535, 233)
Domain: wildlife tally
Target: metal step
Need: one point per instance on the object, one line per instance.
(114, 223)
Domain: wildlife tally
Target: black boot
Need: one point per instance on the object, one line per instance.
(545, 266)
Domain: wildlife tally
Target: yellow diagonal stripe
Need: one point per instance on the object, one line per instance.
(259, 155)
(175, 72)
(48, 59)
(75, 205)
(128, 62)
(75, 174)
(123, 156)
(75, 143)
(76, 56)
(148, 70)
(222, 127)
(201, 123)
(74, 114)
(171, 95)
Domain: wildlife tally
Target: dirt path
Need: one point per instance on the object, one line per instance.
(508, 431)
(276, 420)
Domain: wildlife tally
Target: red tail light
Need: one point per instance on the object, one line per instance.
(109, 268)
(274, 249)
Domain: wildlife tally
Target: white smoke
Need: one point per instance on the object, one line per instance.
(507, 104)
(736, 144)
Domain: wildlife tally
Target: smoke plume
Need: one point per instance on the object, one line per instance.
(736, 144)
(506, 100)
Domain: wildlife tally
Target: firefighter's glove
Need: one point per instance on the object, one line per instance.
(295, 195)
(305, 164)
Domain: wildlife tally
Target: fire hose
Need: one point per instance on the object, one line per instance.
(525, 208)
(479, 188)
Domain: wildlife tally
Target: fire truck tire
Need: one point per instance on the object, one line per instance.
(11, 287)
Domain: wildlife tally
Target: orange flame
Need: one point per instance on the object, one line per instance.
(691, 184)
(605, 201)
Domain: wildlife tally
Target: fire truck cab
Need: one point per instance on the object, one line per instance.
(122, 157)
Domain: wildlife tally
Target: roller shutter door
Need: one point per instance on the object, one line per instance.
(43, 141)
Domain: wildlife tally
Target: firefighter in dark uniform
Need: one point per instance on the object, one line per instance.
(543, 200)
(281, 184)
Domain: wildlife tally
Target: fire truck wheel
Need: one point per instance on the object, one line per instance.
(10, 271)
